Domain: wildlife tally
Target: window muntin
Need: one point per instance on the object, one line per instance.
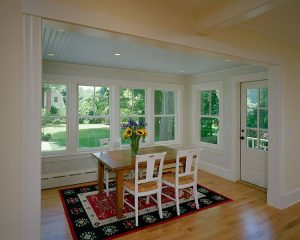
(209, 120)
(93, 115)
(132, 106)
(164, 115)
(54, 117)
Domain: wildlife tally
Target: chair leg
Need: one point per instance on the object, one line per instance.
(123, 196)
(136, 208)
(147, 199)
(195, 196)
(159, 204)
(177, 200)
(107, 182)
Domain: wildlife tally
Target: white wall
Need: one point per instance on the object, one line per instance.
(218, 161)
(11, 115)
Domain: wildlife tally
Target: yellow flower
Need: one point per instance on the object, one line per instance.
(139, 132)
(125, 136)
(145, 133)
(128, 131)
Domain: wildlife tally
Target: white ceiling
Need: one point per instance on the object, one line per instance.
(85, 46)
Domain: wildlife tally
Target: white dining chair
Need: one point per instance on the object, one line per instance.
(183, 178)
(110, 145)
(147, 185)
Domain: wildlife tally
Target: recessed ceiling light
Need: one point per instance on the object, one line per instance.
(51, 54)
(117, 54)
(60, 30)
(182, 71)
(227, 60)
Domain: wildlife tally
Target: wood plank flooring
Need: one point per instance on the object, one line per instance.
(247, 217)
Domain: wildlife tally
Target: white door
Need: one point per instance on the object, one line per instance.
(254, 132)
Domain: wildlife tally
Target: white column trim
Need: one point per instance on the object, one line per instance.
(31, 135)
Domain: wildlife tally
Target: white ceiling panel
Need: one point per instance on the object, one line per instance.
(66, 44)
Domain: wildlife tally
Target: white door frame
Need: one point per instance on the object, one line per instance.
(31, 152)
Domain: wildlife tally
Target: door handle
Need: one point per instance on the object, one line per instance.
(242, 137)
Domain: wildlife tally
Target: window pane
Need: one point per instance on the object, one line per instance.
(252, 98)
(124, 121)
(263, 97)
(164, 128)
(252, 139)
(252, 118)
(102, 100)
(209, 130)
(169, 102)
(158, 102)
(91, 130)
(54, 99)
(263, 140)
(205, 99)
(263, 118)
(54, 134)
(138, 101)
(85, 100)
(125, 101)
(214, 102)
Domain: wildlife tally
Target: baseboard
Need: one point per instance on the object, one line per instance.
(216, 170)
(290, 198)
(69, 178)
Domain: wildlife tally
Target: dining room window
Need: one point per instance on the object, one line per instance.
(54, 117)
(132, 106)
(93, 115)
(164, 115)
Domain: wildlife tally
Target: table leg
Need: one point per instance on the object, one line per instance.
(100, 177)
(119, 194)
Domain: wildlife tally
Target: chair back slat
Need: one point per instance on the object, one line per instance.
(149, 161)
(191, 158)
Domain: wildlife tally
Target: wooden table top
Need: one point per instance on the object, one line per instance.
(122, 159)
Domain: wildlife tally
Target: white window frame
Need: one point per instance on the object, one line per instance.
(59, 152)
(100, 84)
(196, 95)
(175, 115)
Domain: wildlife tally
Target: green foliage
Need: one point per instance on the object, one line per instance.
(46, 137)
(54, 110)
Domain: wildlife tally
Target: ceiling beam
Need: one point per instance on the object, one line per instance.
(236, 12)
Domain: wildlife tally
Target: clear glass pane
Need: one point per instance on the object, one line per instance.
(158, 102)
(252, 98)
(102, 100)
(263, 118)
(91, 130)
(263, 140)
(124, 121)
(252, 139)
(138, 101)
(54, 134)
(164, 128)
(125, 101)
(215, 102)
(252, 118)
(209, 131)
(169, 102)
(54, 99)
(263, 97)
(204, 101)
(86, 100)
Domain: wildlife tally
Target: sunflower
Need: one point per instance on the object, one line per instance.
(145, 132)
(128, 131)
(139, 132)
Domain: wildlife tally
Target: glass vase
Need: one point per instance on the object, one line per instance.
(134, 145)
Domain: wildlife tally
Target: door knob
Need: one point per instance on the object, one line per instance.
(242, 137)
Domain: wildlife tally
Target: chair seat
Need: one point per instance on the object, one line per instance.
(170, 177)
(143, 187)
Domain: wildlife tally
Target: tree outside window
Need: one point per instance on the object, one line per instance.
(209, 116)
(164, 114)
(93, 115)
(54, 119)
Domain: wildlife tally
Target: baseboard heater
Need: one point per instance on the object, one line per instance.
(68, 178)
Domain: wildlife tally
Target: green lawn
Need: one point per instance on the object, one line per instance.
(89, 135)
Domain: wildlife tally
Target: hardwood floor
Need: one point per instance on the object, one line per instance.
(247, 217)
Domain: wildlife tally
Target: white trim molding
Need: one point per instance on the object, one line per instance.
(216, 170)
(31, 151)
(290, 198)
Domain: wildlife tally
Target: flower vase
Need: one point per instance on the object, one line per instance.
(134, 145)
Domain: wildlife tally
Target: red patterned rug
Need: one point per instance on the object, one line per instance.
(92, 216)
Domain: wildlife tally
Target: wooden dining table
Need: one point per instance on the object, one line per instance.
(122, 162)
